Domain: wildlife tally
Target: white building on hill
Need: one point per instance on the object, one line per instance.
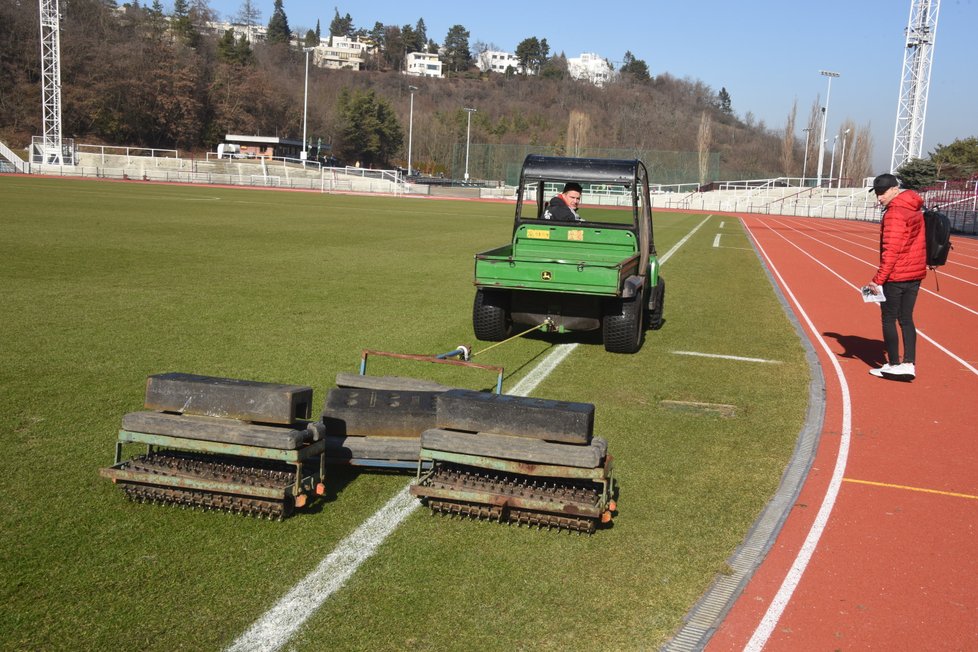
(593, 68)
(251, 33)
(341, 52)
(423, 64)
(498, 61)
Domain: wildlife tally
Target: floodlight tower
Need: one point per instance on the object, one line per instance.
(50, 82)
(825, 118)
(918, 57)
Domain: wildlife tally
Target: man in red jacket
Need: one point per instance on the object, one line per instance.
(903, 265)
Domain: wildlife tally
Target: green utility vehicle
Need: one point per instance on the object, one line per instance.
(597, 273)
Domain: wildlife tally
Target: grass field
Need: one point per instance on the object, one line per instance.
(105, 283)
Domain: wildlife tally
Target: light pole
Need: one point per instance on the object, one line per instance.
(825, 117)
(804, 166)
(305, 105)
(411, 126)
(835, 141)
(468, 131)
(842, 161)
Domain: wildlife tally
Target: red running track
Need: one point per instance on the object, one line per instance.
(880, 551)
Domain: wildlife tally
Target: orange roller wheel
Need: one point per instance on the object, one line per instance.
(300, 500)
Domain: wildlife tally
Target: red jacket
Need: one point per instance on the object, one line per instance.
(903, 246)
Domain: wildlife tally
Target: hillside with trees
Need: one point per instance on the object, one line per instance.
(135, 76)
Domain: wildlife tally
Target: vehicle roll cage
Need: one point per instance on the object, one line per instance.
(630, 174)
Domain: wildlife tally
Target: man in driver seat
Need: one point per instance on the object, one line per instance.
(563, 207)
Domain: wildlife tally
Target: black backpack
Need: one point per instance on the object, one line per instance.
(937, 230)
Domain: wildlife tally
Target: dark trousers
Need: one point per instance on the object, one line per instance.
(900, 299)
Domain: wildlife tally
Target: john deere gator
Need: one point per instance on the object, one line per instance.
(601, 272)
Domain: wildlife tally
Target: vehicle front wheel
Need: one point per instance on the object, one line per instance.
(622, 325)
(490, 315)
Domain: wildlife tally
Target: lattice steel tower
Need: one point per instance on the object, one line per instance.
(50, 146)
(908, 138)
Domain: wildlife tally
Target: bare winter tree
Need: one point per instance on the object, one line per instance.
(703, 138)
(481, 50)
(813, 135)
(859, 161)
(250, 16)
(788, 143)
(578, 126)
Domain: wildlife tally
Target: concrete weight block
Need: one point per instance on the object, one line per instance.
(518, 449)
(228, 398)
(378, 412)
(517, 416)
(225, 431)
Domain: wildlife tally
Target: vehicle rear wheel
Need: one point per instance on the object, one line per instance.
(657, 305)
(622, 325)
(490, 315)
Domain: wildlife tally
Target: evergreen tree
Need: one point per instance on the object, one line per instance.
(311, 39)
(227, 47)
(278, 25)
(456, 55)
(529, 53)
(917, 173)
(723, 102)
(243, 52)
(555, 68)
(959, 160)
(180, 21)
(341, 26)
(634, 68)
(369, 130)
(544, 55)
(410, 39)
(422, 34)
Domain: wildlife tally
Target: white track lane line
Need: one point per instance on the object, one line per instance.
(921, 333)
(846, 253)
(280, 623)
(770, 620)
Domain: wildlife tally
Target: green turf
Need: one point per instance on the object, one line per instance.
(105, 283)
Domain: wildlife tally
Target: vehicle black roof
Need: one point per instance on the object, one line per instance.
(582, 170)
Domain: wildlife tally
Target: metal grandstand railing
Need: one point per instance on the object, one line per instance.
(10, 162)
(959, 204)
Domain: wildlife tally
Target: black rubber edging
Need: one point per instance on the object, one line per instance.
(710, 610)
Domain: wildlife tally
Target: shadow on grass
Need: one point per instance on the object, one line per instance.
(339, 476)
(868, 350)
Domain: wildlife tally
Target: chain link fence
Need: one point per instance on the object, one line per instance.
(503, 162)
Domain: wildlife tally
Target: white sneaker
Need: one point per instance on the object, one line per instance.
(885, 369)
(904, 371)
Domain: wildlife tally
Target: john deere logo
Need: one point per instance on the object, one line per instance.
(546, 276)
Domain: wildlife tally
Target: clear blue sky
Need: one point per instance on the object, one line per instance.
(766, 53)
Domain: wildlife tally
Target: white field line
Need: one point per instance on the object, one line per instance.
(277, 625)
(727, 357)
(770, 620)
(721, 224)
(846, 253)
(716, 241)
